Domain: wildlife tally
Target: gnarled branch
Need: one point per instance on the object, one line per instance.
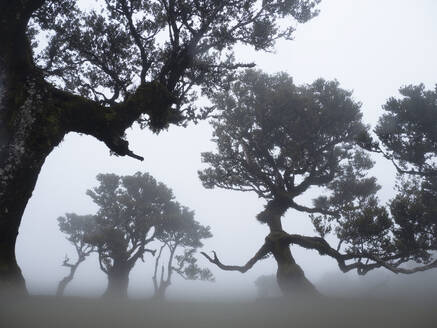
(263, 251)
(302, 208)
(322, 246)
(108, 124)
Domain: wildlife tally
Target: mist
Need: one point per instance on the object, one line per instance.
(371, 48)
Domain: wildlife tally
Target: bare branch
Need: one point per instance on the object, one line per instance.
(151, 251)
(263, 251)
(390, 157)
(302, 208)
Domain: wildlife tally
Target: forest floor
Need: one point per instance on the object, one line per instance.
(47, 312)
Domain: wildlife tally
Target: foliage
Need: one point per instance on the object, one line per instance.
(408, 137)
(414, 210)
(102, 66)
(278, 139)
(76, 227)
(104, 53)
(129, 207)
(408, 130)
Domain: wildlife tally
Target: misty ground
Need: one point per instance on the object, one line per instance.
(47, 311)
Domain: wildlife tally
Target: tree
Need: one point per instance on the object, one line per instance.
(131, 211)
(180, 231)
(103, 70)
(280, 140)
(407, 134)
(76, 227)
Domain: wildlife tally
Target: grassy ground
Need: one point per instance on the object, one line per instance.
(47, 312)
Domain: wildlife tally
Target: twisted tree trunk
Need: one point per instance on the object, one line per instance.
(290, 276)
(67, 279)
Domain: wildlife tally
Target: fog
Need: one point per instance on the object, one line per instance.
(372, 47)
(41, 312)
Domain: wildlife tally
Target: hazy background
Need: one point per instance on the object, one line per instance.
(370, 46)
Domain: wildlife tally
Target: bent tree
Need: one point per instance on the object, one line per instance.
(102, 70)
(75, 227)
(279, 141)
(179, 232)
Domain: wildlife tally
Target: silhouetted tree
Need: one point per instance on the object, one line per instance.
(279, 140)
(102, 70)
(179, 232)
(131, 210)
(408, 137)
(75, 227)
(408, 131)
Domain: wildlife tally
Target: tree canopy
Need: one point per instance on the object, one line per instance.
(99, 70)
(135, 210)
(130, 209)
(407, 133)
(105, 53)
(280, 140)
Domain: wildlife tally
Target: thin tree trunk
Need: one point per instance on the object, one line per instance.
(67, 279)
(161, 289)
(161, 286)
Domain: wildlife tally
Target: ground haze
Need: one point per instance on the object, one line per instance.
(321, 312)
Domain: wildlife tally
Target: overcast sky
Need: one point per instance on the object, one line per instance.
(372, 47)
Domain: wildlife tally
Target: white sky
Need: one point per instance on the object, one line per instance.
(371, 46)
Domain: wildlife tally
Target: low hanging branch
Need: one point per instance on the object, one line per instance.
(322, 246)
(262, 252)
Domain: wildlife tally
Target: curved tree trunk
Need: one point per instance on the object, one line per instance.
(23, 150)
(34, 118)
(67, 279)
(118, 281)
(290, 276)
(24, 144)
